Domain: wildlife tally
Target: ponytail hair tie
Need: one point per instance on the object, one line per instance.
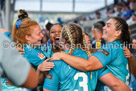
(18, 24)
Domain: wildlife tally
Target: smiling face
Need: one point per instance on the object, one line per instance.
(55, 34)
(36, 36)
(109, 31)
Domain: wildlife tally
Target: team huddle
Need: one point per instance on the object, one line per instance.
(72, 66)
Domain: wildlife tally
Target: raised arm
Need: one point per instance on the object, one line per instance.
(114, 83)
(79, 63)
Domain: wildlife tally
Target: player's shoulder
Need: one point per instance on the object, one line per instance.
(58, 62)
(34, 54)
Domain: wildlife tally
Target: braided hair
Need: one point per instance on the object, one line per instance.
(123, 26)
(74, 35)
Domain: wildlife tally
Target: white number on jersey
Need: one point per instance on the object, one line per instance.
(84, 82)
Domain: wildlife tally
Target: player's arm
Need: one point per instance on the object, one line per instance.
(46, 89)
(132, 65)
(127, 52)
(51, 82)
(114, 83)
(16, 68)
(77, 62)
(43, 69)
(131, 60)
(52, 79)
(31, 81)
(20, 69)
(41, 76)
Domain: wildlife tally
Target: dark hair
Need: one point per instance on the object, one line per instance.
(98, 26)
(123, 26)
(87, 34)
(54, 25)
(22, 14)
(58, 24)
(102, 23)
(125, 38)
(48, 26)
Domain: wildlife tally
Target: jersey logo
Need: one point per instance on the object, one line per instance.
(49, 76)
(103, 51)
(41, 56)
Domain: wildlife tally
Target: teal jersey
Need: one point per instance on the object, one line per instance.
(66, 78)
(34, 55)
(6, 87)
(8, 34)
(111, 56)
(47, 50)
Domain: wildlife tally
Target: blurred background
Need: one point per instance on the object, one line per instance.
(83, 12)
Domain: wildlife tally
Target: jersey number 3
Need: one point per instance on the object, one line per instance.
(84, 82)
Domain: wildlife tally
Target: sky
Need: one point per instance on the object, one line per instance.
(61, 5)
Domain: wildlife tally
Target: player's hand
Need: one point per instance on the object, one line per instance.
(127, 53)
(21, 51)
(8, 82)
(57, 56)
(45, 66)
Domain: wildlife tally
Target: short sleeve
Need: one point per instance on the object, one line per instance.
(12, 64)
(52, 80)
(103, 55)
(33, 60)
(103, 72)
(34, 56)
